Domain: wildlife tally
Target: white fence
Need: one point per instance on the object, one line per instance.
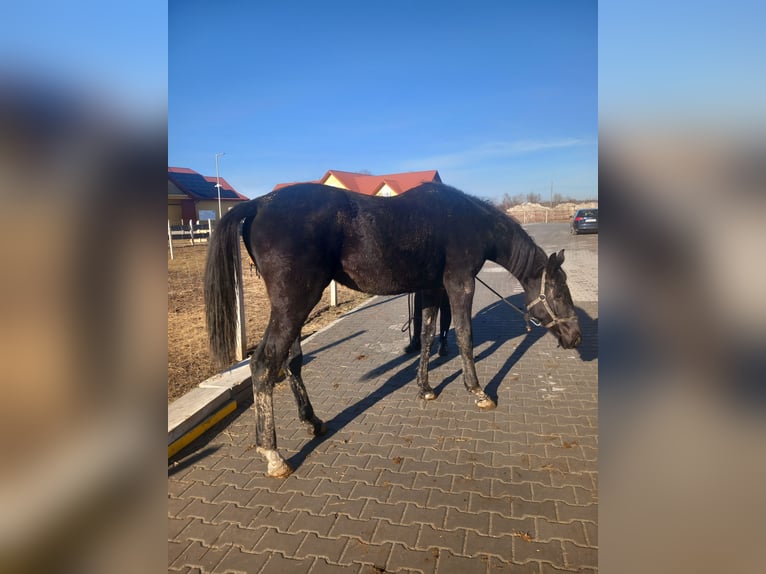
(193, 231)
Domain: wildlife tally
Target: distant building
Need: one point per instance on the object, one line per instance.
(383, 185)
(194, 196)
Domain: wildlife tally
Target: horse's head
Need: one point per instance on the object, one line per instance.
(550, 303)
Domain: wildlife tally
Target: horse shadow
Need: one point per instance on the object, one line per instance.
(494, 324)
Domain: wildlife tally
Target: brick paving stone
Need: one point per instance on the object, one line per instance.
(203, 491)
(175, 549)
(269, 499)
(422, 481)
(565, 493)
(417, 497)
(482, 486)
(276, 541)
(467, 520)
(552, 551)
(176, 526)
(500, 488)
(457, 500)
(330, 549)
(499, 546)
(233, 514)
(495, 566)
(591, 534)
(279, 563)
(234, 495)
(387, 532)
(365, 491)
(305, 522)
(348, 527)
(200, 509)
(242, 562)
(521, 508)
(322, 566)
(245, 538)
(391, 512)
(191, 556)
(572, 531)
(430, 537)
(313, 504)
(413, 560)
(449, 563)
(501, 504)
(423, 515)
(201, 531)
(338, 506)
(359, 552)
(203, 475)
(177, 488)
(275, 518)
(577, 556)
(176, 505)
(500, 525)
(568, 512)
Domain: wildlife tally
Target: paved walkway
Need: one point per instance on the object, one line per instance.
(399, 484)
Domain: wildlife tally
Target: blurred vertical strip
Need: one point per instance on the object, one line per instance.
(682, 189)
(82, 298)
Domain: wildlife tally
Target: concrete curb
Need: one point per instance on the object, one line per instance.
(193, 413)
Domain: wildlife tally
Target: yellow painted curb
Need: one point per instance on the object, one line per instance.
(197, 431)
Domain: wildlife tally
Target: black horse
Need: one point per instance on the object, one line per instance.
(432, 237)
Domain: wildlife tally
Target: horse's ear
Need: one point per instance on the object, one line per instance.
(555, 261)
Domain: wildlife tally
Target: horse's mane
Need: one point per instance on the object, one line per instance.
(527, 258)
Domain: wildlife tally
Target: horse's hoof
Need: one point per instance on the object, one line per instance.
(317, 428)
(282, 471)
(484, 402)
(428, 395)
(277, 466)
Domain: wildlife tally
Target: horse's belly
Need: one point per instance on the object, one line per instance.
(382, 279)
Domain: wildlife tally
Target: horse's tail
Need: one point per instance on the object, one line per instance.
(222, 269)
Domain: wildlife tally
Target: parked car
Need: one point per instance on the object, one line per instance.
(584, 221)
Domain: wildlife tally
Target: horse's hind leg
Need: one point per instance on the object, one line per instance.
(265, 365)
(305, 411)
(428, 330)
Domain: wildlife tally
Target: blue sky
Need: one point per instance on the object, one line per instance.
(500, 97)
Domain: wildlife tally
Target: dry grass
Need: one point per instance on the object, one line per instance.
(189, 362)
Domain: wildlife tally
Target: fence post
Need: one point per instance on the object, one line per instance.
(191, 231)
(241, 346)
(170, 240)
(333, 293)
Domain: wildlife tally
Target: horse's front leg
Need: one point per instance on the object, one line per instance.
(461, 300)
(428, 331)
(265, 365)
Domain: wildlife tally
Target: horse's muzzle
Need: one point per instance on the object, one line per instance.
(569, 335)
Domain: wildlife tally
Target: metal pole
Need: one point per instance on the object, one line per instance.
(218, 182)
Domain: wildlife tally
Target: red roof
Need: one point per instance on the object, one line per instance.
(371, 184)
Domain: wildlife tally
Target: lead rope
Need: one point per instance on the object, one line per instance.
(408, 322)
(527, 318)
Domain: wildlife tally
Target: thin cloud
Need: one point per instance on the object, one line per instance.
(494, 150)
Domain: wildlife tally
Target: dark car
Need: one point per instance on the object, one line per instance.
(585, 221)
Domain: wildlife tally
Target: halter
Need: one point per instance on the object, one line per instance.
(541, 298)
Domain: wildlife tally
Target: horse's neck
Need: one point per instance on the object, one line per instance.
(518, 253)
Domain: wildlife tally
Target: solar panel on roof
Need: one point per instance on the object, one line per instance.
(199, 186)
